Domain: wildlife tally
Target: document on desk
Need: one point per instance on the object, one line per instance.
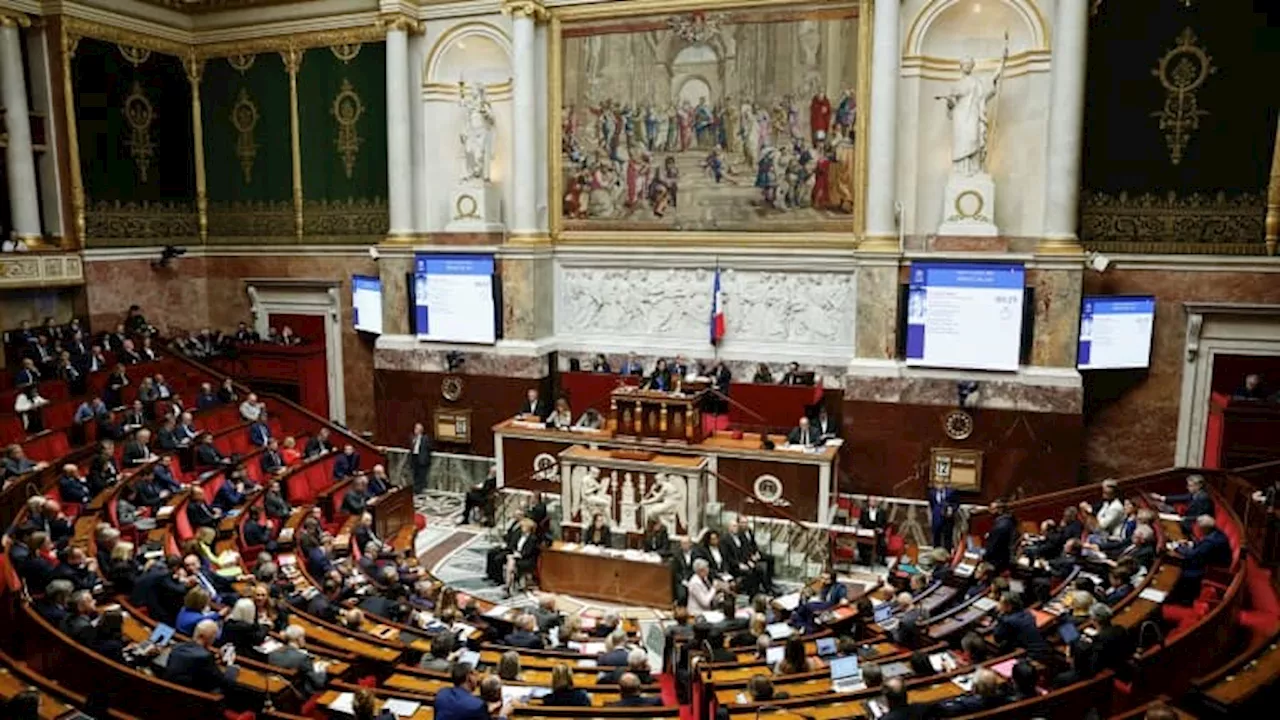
(788, 602)
(345, 703)
(1154, 595)
(401, 708)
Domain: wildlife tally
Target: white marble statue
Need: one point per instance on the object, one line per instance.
(477, 134)
(666, 502)
(594, 497)
(967, 106)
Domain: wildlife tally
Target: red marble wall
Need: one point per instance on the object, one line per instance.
(200, 291)
(1132, 419)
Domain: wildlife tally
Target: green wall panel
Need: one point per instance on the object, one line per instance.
(342, 112)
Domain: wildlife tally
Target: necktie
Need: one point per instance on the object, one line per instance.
(208, 586)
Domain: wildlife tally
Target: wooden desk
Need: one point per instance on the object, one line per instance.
(392, 511)
(656, 415)
(50, 707)
(606, 577)
(426, 712)
(1240, 686)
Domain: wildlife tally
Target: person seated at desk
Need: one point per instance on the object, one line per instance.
(563, 693)
(703, 591)
(1269, 497)
(763, 375)
(804, 435)
(1250, 389)
(192, 664)
(629, 690)
(637, 664)
(71, 487)
(318, 444)
(208, 456)
(199, 512)
(478, 496)
(356, 498)
(346, 464)
(460, 701)
(1197, 499)
(533, 406)
(260, 431)
(1211, 548)
(656, 538)
(598, 533)
(753, 568)
(1016, 628)
(591, 419)
(600, 364)
(632, 366)
(523, 557)
(524, 633)
(196, 608)
(896, 705)
(986, 695)
(826, 426)
(660, 378)
(873, 518)
(562, 417)
(793, 376)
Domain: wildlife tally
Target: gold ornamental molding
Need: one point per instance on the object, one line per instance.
(1273, 197)
(194, 67)
(347, 110)
(1182, 71)
(12, 18)
(241, 63)
(1199, 223)
(525, 8)
(40, 270)
(399, 22)
(346, 52)
(244, 117)
(292, 57)
(139, 113)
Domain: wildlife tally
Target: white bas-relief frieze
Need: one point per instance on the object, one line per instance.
(761, 307)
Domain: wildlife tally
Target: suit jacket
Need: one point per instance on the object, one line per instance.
(316, 446)
(869, 522)
(191, 665)
(78, 628)
(164, 478)
(797, 436)
(682, 567)
(346, 465)
(270, 462)
(208, 455)
(353, 502)
(259, 434)
(1198, 503)
(538, 408)
(524, 639)
(1000, 539)
(201, 515)
(1212, 549)
(1018, 630)
(276, 506)
(168, 439)
(135, 453)
(616, 657)
(636, 701)
(942, 505)
(423, 455)
(159, 593)
(455, 703)
(310, 680)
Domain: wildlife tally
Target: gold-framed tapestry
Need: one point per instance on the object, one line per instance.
(731, 123)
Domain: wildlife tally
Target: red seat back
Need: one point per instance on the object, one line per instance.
(182, 525)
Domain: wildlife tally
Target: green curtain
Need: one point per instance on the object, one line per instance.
(248, 152)
(133, 110)
(342, 112)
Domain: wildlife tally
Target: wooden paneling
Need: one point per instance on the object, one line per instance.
(887, 449)
(403, 397)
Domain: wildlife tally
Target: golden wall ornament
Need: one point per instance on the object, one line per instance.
(347, 110)
(134, 55)
(1182, 71)
(244, 116)
(241, 63)
(1198, 223)
(139, 114)
(346, 52)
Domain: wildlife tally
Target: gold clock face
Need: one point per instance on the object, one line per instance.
(958, 424)
(451, 388)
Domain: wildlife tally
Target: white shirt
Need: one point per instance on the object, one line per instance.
(702, 595)
(1111, 517)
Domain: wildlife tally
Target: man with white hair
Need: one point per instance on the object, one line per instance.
(637, 664)
(192, 664)
(1197, 498)
(525, 634)
(251, 409)
(311, 674)
(702, 589)
(1211, 548)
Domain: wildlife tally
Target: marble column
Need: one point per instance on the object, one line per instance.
(20, 159)
(882, 150)
(1066, 127)
(399, 144)
(523, 221)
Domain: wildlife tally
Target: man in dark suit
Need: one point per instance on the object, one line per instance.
(533, 406)
(199, 512)
(478, 495)
(293, 656)
(71, 487)
(192, 663)
(741, 543)
(1112, 646)
(259, 431)
(167, 437)
(986, 695)
(682, 567)
(162, 471)
(1212, 548)
(78, 624)
(942, 513)
(525, 634)
(138, 450)
(804, 435)
(460, 701)
(161, 588)
(135, 417)
(1197, 499)
(347, 463)
(998, 550)
(356, 497)
(318, 444)
(28, 375)
(896, 705)
(629, 690)
(524, 556)
(1016, 628)
(271, 461)
(420, 458)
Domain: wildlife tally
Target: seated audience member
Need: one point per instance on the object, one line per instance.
(227, 392)
(27, 375)
(616, 650)
(274, 502)
(523, 557)
(71, 487)
(660, 378)
(206, 397)
(546, 614)
(508, 669)
(196, 607)
(1118, 586)
(1023, 679)
(442, 650)
(533, 406)
(1142, 550)
(1197, 499)
(138, 450)
(478, 496)
(598, 532)
(1113, 647)
(365, 707)
(896, 705)
(294, 656)
(77, 568)
(379, 483)
(1110, 511)
(186, 429)
(763, 375)
(28, 405)
(525, 634)
(637, 664)
(600, 364)
(629, 692)
(804, 435)
(117, 381)
(347, 464)
(208, 456)
(231, 493)
(270, 461)
(260, 431)
(251, 409)
(199, 512)
(1210, 549)
(82, 615)
(1080, 655)
(17, 463)
(1016, 628)
(910, 618)
(318, 444)
(1250, 389)
(985, 695)
(701, 589)
(1270, 496)
(561, 418)
(256, 532)
(241, 629)
(793, 376)
(795, 658)
(122, 569)
(356, 498)
(563, 693)
(460, 701)
(289, 452)
(192, 664)
(632, 366)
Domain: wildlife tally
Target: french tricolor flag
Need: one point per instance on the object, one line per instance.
(717, 311)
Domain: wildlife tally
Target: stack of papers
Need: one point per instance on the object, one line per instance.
(788, 602)
(401, 708)
(1154, 595)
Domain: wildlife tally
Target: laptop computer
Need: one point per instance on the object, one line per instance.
(883, 612)
(826, 647)
(846, 675)
(161, 635)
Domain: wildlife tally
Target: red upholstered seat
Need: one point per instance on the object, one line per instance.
(181, 524)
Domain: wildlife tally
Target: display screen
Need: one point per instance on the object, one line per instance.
(965, 315)
(1115, 332)
(453, 298)
(366, 303)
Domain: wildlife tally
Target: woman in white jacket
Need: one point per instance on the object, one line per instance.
(703, 591)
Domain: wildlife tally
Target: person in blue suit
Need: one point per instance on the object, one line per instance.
(1211, 549)
(460, 701)
(259, 431)
(347, 463)
(942, 513)
(1197, 498)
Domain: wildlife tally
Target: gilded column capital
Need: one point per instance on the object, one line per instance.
(13, 18)
(194, 66)
(401, 22)
(525, 8)
(292, 57)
